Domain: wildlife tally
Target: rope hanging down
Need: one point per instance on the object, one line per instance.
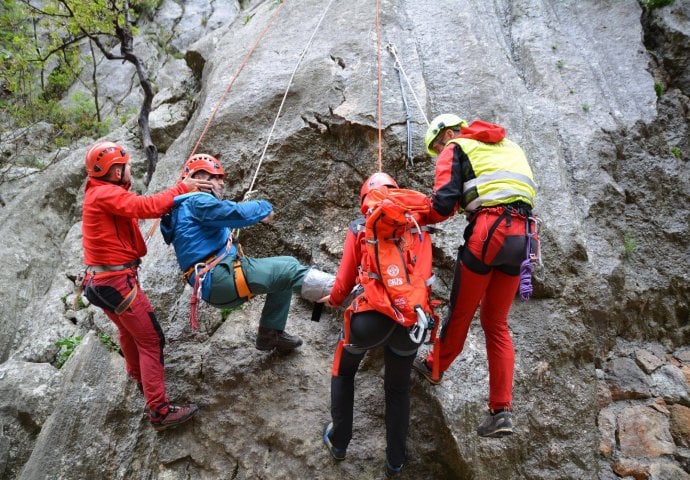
(398, 65)
(282, 103)
(245, 60)
(378, 96)
(408, 117)
(237, 73)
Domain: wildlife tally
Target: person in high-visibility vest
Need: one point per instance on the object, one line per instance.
(485, 175)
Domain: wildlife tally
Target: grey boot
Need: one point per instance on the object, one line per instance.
(268, 339)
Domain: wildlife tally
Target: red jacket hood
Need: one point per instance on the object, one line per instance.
(483, 131)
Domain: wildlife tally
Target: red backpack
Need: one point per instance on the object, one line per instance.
(395, 270)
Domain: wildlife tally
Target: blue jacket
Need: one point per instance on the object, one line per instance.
(199, 225)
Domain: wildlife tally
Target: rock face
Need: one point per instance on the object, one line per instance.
(602, 366)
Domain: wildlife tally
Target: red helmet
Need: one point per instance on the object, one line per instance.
(379, 179)
(102, 156)
(202, 162)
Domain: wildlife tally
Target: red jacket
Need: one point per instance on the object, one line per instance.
(346, 278)
(110, 231)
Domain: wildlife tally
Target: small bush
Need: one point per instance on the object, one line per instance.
(654, 4)
(109, 343)
(585, 107)
(676, 152)
(67, 346)
(629, 245)
(659, 89)
(560, 64)
(78, 120)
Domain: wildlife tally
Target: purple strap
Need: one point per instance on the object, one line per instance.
(526, 269)
(526, 279)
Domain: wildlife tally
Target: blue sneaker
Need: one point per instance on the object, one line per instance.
(337, 453)
(496, 424)
(392, 471)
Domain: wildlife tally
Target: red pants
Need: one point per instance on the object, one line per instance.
(141, 337)
(487, 274)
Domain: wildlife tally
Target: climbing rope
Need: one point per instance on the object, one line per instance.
(398, 66)
(232, 81)
(245, 60)
(408, 117)
(378, 96)
(282, 103)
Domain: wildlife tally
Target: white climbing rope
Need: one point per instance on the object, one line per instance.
(280, 109)
(391, 48)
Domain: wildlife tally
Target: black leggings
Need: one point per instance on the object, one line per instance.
(396, 382)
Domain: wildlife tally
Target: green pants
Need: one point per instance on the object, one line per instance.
(277, 277)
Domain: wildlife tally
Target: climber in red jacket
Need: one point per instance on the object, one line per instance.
(113, 246)
(487, 176)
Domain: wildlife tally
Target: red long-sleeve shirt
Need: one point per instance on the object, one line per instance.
(110, 230)
(346, 278)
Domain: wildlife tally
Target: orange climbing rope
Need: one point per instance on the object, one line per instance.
(239, 69)
(378, 96)
(155, 224)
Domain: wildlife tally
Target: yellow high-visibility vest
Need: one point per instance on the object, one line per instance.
(501, 174)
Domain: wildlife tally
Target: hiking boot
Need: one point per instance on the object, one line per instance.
(392, 471)
(175, 416)
(337, 453)
(422, 367)
(268, 339)
(496, 424)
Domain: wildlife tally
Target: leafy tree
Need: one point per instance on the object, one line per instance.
(42, 38)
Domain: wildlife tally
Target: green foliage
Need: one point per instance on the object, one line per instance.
(145, 8)
(659, 89)
(585, 107)
(109, 343)
(560, 64)
(67, 346)
(676, 152)
(78, 120)
(629, 245)
(225, 312)
(653, 4)
(247, 18)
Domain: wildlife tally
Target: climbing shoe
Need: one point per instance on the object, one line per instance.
(268, 339)
(391, 471)
(337, 453)
(421, 366)
(175, 416)
(496, 424)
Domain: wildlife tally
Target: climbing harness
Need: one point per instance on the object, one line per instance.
(86, 279)
(202, 268)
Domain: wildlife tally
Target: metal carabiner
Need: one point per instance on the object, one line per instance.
(418, 331)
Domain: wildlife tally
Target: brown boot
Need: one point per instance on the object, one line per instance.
(268, 339)
(175, 416)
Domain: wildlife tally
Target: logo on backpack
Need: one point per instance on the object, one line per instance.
(396, 269)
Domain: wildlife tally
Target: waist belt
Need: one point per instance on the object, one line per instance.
(240, 281)
(112, 268)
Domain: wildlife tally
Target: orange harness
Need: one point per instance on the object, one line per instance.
(108, 271)
(202, 268)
